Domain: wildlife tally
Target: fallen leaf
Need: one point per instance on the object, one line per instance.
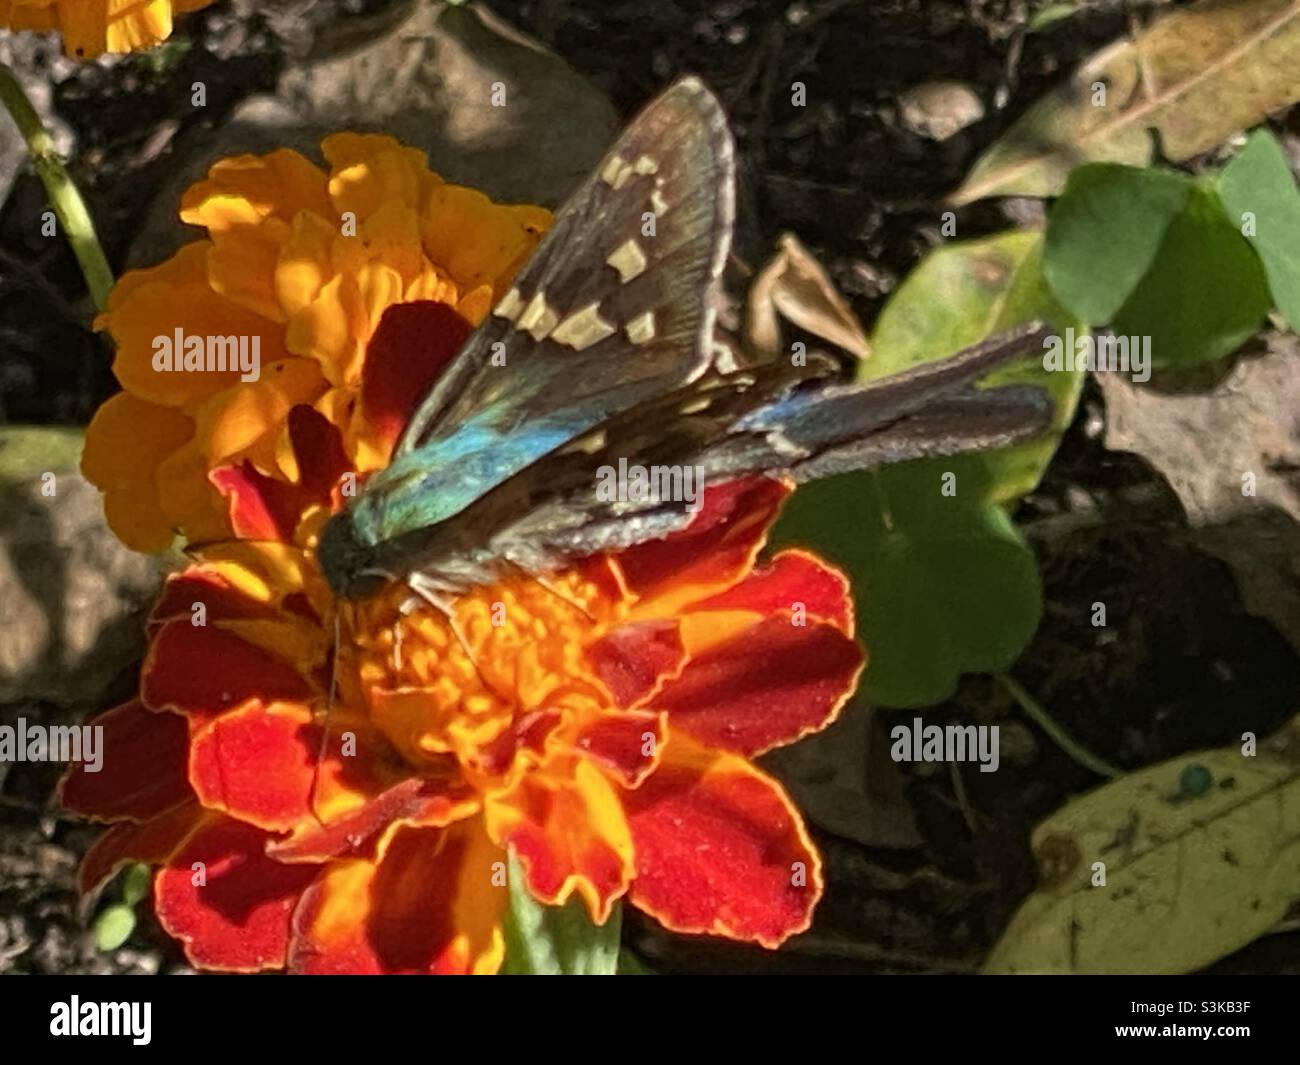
(1231, 454)
(794, 286)
(1201, 856)
(1194, 77)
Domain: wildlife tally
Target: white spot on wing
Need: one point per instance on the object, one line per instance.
(583, 328)
(641, 329)
(628, 259)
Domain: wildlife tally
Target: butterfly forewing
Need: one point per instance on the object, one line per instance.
(618, 300)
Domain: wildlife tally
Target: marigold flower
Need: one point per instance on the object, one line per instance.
(301, 264)
(92, 27)
(601, 723)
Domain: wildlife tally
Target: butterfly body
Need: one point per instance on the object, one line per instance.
(604, 355)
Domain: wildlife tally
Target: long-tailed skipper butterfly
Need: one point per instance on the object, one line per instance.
(604, 352)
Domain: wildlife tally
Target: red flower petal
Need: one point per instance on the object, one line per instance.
(220, 601)
(626, 743)
(633, 659)
(414, 801)
(764, 687)
(261, 508)
(408, 350)
(432, 905)
(720, 849)
(201, 669)
(226, 901)
(256, 764)
(564, 826)
(318, 447)
(152, 841)
(142, 766)
(713, 552)
(791, 577)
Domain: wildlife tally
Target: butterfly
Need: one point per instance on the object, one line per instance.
(601, 356)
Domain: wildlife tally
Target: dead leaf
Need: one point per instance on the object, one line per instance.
(794, 286)
(1195, 77)
(1232, 454)
(1201, 855)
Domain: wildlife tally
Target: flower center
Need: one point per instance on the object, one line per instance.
(490, 688)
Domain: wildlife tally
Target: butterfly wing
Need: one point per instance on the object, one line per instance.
(617, 303)
(801, 422)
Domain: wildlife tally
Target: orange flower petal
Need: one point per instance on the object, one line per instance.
(245, 189)
(432, 904)
(124, 441)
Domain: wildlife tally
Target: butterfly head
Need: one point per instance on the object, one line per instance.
(346, 560)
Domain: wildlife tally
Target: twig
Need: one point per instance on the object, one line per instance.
(1057, 734)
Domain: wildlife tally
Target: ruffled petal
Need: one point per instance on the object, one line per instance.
(764, 686)
(141, 770)
(720, 849)
(567, 827)
(711, 554)
(633, 660)
(432, 904)
(226, 901)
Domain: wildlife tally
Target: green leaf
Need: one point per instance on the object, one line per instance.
(1201, 853)
(959, 295)
(943, 584)
(113, 927)
(1105, 232)
(135, 883)
(1259, 182)
(1206, 292)
(556, 940)
(630, 964)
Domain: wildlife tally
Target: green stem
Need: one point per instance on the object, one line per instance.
(69, 207)
(1058, 735)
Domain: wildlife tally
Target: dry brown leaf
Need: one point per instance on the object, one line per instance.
(1195, 77)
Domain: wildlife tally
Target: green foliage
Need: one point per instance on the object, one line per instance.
(943, 582)
(1260, 194)
(1158, 254)
(556, 940)
(113, 927)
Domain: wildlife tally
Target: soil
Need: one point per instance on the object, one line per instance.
(1182, 667)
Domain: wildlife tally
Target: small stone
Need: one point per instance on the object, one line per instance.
(939, 109)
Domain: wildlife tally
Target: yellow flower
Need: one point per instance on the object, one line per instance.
(92, 27)
(298, 265)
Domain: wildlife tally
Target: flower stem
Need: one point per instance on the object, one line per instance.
(1058, 735)
(69, 207)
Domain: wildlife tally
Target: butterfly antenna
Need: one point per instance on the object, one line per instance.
(329, 706)
(548, 586)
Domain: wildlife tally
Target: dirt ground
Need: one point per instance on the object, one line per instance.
(1183, 666)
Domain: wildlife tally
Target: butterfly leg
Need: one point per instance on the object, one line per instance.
(439, 596)
(544, 583)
